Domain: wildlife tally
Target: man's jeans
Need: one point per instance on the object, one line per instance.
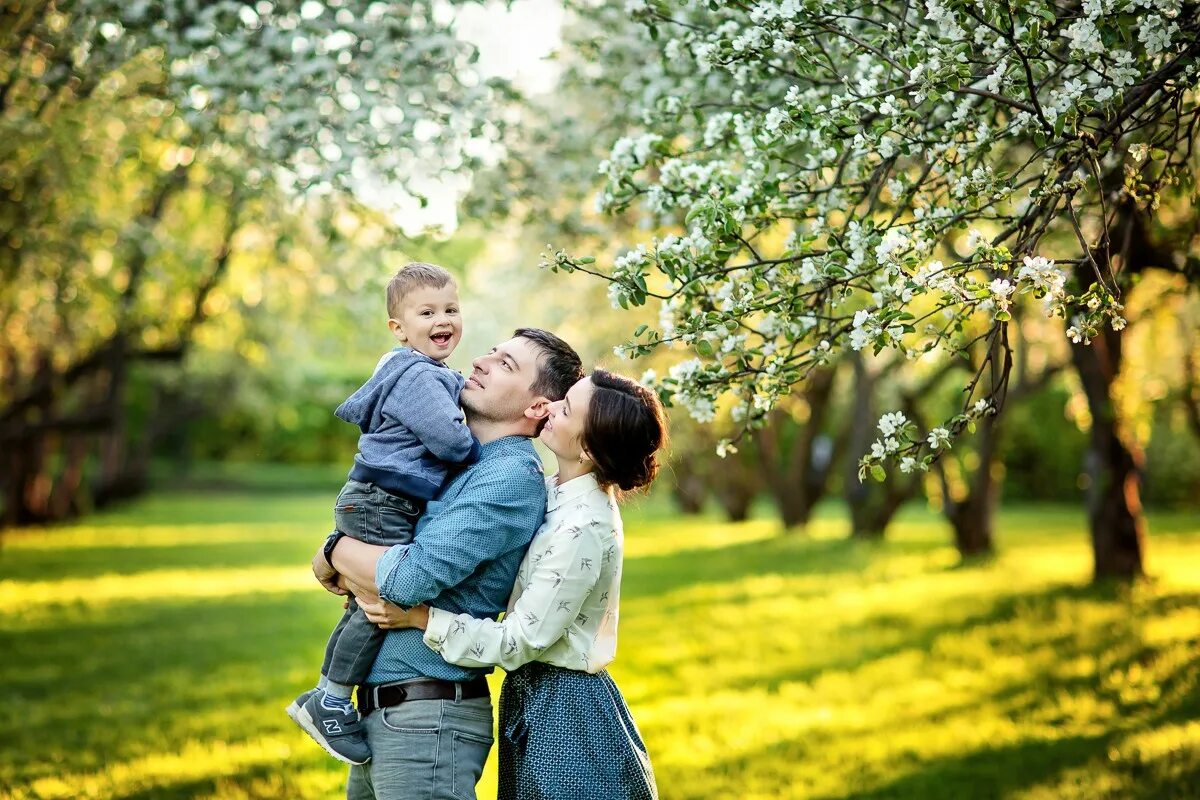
(424, 750)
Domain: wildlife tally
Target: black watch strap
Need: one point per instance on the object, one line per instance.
(330, 543)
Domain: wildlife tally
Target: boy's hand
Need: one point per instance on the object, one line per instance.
(325, 574)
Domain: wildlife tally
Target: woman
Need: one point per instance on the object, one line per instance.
(565, 730)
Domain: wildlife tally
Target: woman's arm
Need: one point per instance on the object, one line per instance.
(564, 570)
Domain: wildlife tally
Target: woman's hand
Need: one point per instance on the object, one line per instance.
(388, 615)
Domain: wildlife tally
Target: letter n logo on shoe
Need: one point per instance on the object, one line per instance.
(332, 726)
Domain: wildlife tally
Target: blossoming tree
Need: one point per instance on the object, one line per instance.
(885, 176)
(144, 147)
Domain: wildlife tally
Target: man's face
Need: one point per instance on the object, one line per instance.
(498, 387)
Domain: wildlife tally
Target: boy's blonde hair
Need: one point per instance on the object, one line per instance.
(414, 276)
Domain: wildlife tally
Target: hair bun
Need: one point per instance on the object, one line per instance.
(625, 428)
(640, 475)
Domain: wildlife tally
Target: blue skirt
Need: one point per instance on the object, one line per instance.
(567, 735)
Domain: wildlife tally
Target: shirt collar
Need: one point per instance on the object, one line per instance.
(505, 444)
(573, 489)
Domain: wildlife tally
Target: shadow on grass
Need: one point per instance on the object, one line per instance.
(91, 562)
(112, 684)
(900, 636)
(1121, 647)
(266, 781)
(655, 575)
(1163, 691)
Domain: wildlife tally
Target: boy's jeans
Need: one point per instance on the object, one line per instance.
(365, 512)
(431, 749)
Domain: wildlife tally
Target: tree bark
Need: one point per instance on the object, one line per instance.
(1114, 464)
(1114, 460)
(798, 475)
(872, 505)
(971, 516)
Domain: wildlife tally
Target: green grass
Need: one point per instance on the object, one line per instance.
(148, 653)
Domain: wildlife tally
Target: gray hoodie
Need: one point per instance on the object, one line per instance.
(412, 426)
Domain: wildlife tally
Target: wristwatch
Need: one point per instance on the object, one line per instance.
(330, 543)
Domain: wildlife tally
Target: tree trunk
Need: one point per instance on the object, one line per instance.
(873, 513)
(1114, 460)
(798, 476)
(69, 495)
(971, 516)
(689, 491)
(735, 502)
(1114, 464)
(872, 505)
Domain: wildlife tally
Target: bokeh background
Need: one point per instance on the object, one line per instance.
(200, 205)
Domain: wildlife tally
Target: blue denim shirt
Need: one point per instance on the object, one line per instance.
(464, 559)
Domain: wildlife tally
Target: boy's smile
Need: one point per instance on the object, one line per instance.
(430, 322)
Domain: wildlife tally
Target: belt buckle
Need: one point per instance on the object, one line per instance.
(374, 696)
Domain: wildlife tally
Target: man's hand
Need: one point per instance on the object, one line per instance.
(325, 574)
(388, 615)
(363, 594)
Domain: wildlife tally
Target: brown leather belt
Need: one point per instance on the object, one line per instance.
(382, 695)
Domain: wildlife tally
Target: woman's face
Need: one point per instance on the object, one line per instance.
(563, 432)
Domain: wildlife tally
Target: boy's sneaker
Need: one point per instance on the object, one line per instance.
(338, 729)
(293, 709)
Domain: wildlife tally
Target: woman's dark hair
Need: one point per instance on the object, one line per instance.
(624, 430)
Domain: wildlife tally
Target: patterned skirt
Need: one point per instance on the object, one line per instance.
(567, 735)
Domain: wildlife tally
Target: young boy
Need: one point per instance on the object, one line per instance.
(412, 429)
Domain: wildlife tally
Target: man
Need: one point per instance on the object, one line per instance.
(429, 723)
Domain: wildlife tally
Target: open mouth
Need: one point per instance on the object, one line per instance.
(441, 339)
(475, 381)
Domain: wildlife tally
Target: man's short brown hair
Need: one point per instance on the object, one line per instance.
(414, 276)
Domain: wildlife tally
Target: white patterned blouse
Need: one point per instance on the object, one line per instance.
(563, 608)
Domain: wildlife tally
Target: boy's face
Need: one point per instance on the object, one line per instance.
(429, 321)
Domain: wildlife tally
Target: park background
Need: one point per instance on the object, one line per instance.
(186, 294)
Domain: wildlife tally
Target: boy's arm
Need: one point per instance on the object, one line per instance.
(426, 403)
(497, 509)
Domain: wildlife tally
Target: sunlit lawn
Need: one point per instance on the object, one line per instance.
(148, 653)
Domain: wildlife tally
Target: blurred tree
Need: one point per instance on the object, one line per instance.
(796, 453)
(149, 149)
(971, 477)
(821, 161)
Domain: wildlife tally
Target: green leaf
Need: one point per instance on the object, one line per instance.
(640, 330)
(704, 347)
(878, 473)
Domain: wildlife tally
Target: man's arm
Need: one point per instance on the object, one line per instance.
(503, 503)
(356, 561)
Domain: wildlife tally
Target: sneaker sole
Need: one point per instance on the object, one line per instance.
(293, 709)
(305, 721)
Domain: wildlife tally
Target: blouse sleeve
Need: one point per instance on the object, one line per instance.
(563, 574)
